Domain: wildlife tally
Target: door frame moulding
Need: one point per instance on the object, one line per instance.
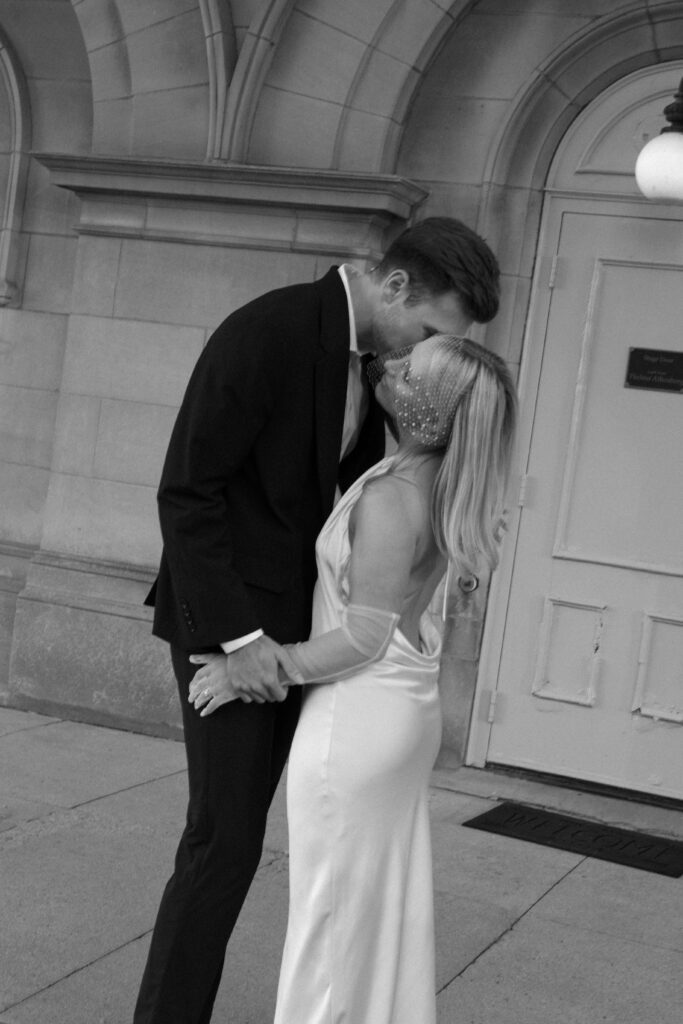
(525, 148)
(18, 146)
(543, 113)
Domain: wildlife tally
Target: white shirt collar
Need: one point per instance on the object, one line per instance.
(353, 340)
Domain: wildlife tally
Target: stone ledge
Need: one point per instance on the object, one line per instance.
(14, 562)
(236, 183)
(236, 206)
(88, 584)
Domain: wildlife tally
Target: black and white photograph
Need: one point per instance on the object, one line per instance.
(341, 511)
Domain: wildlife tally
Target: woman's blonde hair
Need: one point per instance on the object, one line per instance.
(469, 490)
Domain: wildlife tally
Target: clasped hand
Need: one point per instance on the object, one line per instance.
(252, 673)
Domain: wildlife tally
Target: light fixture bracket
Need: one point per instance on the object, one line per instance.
(674, 112)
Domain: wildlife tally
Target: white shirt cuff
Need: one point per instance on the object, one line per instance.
(234, 645)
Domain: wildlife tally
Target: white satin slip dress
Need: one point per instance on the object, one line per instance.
(360, 935)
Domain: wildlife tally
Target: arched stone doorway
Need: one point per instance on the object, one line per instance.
(482, 130)
(580, 667)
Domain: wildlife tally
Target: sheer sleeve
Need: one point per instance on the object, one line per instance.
(362, 638)
(383, 536)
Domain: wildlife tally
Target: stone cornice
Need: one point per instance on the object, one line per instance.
(285, 187)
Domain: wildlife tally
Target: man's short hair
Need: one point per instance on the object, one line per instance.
(441, 254)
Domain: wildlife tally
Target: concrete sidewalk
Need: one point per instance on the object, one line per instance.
(89, 818)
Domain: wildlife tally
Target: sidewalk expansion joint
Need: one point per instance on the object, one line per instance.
(127, 789)
(32, 728)
(76, 970)
(511, 927)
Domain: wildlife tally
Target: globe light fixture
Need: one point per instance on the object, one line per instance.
(659, 167)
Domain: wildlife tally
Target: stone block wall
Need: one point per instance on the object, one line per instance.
(149, 278)
(44, 72)
(88, 451)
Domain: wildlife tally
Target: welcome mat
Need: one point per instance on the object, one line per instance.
(588, 838)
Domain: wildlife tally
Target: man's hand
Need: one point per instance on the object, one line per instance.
(250, 673)
(253, 671)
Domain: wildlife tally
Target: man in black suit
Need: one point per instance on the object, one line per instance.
(275, 418)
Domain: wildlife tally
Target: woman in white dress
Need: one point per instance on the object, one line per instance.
(360, 936)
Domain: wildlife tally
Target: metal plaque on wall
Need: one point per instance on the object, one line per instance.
(654, 369)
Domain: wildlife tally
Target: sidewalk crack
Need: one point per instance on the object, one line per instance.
(511, 927)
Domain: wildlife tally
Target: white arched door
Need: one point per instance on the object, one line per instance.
(584, 672)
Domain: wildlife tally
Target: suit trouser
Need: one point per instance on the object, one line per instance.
(235, 759)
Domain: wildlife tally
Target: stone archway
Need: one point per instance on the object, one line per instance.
(338, 86)
(160, 76)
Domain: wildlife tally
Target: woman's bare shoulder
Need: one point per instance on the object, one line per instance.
(394, 500)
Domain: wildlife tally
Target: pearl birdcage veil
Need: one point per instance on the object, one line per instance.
(427, 389)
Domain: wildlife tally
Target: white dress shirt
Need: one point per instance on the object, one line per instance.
(354, 414)
(356, 395)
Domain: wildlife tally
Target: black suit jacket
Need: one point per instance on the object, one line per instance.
(252, 466)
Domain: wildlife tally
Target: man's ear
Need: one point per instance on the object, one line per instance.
(396, 286)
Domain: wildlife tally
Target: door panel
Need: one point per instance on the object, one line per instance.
(591, 673)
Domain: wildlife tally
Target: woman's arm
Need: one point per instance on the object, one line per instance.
(384, 530)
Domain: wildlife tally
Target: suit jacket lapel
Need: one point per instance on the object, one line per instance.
(331, 376)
